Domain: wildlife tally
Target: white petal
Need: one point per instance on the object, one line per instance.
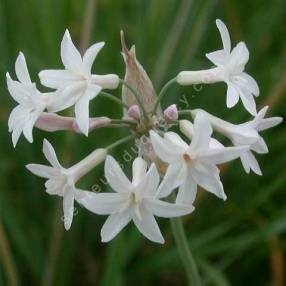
(18, 91)
(219, 58)
(175, 176)
(202, 134)
(29, 125)
(22, 70)
(139, 168)
(114, 224)
(41, 170)
(244, 161)
(93, 90)
(82, 113)
(50, 154)
(260, 146)
(56, 185)
(148, 225)
(68, 207)
(90, 56)
(248, 101)
(67, 97)
(58, 78)
(16, 135)
(215, 144)
(249, 82)
(269, 122)
(16, 116)
(71, 57)
(164, 149)
(115, 176)
(108, 203)
(223, 155)
(176, 140)
(210, 182)
(224, 35)
(187, 192)
(165, 209)
(238, 58)
(232, 97)
(249, 162)
(149, 183)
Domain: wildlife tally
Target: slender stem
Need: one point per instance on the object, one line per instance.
(185, 252)
(162, 93)
(185, 112)
(113, 98)
(120, 141)
(124, 121)
(137, 97)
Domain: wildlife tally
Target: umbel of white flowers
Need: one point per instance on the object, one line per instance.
(166, 163)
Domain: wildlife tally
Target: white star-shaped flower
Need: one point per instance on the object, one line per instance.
(76, 84)
(246, 134)
(61, 181)
(232, 63)
(31, 102)
(134, 200)
(229, 68)
(194, 164)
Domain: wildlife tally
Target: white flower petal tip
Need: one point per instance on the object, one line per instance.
(171, 113)
(134, 112)
(67, 223)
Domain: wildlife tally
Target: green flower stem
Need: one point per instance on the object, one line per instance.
(113, 98)
(186, 112)
(162, 93)
(119, 142)
(185, 252)
(137, 97)
(123, 121)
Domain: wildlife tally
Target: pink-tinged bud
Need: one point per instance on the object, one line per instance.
(134, 112)
(171, 113)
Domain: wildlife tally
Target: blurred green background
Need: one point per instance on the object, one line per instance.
(238, 242)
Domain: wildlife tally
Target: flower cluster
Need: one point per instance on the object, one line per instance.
(177, 149)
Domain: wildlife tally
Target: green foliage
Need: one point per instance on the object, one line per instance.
(235, 241)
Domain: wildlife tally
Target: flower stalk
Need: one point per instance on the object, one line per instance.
(185, 252)
(162, 93)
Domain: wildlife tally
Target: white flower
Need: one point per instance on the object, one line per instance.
(31, 102)
(230, 69)
(194, 164)
(134, 200)
(61, 181)
(76, 84)
(246, 134)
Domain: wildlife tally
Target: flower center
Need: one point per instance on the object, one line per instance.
(187, 158)
(133, 199)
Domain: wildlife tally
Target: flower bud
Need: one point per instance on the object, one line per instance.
(134, 112)
(186, 128)
(136, 77)
(171, 113)
(109, 81)
(203, 76)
